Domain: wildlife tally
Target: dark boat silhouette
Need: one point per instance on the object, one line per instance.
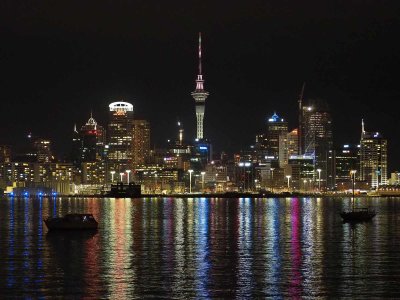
(72, 222)
(362, 214)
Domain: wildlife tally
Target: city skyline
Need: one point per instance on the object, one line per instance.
(252, 70)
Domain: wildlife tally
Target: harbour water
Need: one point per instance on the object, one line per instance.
(200, 248)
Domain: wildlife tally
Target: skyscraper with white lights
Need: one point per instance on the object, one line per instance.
(373, 158)
(120, 137)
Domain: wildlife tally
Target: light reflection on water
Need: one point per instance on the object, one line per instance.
(200, 248)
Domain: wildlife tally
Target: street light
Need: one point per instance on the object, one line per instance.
(155, 178)
(202, 180)
(353, 178)
(288, 181)
(319, 179)
(121, 174)
(112, 176)
(190, 181)
(305, 184)
(128, 171)
(272, 179)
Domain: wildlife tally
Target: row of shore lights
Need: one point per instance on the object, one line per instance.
(319, 179)
(129, 171)
(190, 180)
(121, 175)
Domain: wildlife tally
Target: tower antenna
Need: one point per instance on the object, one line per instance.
(200, 66)
(300, 130)
(362, 129)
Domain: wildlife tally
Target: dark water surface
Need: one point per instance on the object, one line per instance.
(200, 248)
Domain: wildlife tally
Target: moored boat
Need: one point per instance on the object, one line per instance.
(363, 214)
(72, 222)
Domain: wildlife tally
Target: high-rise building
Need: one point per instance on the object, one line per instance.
(288, 146)
(200, 96)
(275, 127)
(92, 140)
(317, 142)
(43, 150)
(347, 159)
(76, 148)
(141, 142)
(373, 158)
(120, 137)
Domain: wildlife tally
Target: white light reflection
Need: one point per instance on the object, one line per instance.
(202, 247)
(245, 276)
(273, 249)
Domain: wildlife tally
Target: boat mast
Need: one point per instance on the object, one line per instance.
(353, 177)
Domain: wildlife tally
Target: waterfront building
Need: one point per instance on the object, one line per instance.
(373, 158)
(347, 159)
(120, 137)
(394, 178)
(200, 95)
(301, 172)
(93, 172)
(141, 142)
(5, 158)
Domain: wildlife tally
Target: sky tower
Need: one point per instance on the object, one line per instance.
(200, 96)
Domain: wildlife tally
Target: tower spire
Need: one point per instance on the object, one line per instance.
(362, 129)
(200, 96)
(200, 66)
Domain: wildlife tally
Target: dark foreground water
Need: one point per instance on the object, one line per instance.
(200, 248)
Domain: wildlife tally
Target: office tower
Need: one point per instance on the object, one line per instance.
(76, 148)
(275, 127)
(200, 96)
(120, 136)
(301, 169)
(92, 140)
(317, 141)
(43, 151)
(288, 146)
(347, 159)
(141, 142)
(373, 158)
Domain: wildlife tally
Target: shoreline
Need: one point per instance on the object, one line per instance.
(229, 195)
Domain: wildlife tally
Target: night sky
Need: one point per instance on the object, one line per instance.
(61, 59)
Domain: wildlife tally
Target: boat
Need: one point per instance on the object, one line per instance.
(72, 222)
(362, 214)
(121, 190)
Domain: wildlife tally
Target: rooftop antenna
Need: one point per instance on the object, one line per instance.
(362, 129)
(180, 133)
